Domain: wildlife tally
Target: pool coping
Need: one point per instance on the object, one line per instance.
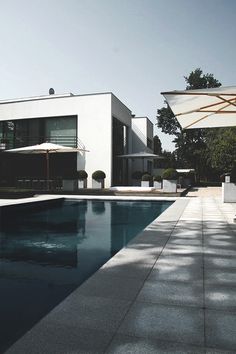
(134, 254)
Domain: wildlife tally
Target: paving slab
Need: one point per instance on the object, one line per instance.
(220, 329)
(175, 272)
(170, 323)
(62, 339)
(219, 262)
(220, 297)
(172, 293)
(123, 344)
(220, 277)
(111, 286)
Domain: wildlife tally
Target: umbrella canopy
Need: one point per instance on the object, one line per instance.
(141, 155)
(44, 148)
(204, 108)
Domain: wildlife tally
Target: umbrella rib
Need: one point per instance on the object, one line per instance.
(208, 115)
(228, 101)
(208, 106)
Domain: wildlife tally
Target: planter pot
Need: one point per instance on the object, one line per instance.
(157, 185)
(2, 146)
(228, 192)
(97, 184)
(82, 183)
(169, 186)
(145, 184)
(69, 185)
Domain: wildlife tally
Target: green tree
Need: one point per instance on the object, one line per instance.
(198, 80)
(221, 149)
(157, 148)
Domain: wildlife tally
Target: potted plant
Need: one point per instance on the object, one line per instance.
(157, 182)
(136, 177)
(146, 179)
(98, 179)
(82, 178)
(170, 177)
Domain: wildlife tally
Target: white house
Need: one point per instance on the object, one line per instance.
(100, 123)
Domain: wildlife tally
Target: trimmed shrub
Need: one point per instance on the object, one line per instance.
(98, 175)
(82, 174)
(157, 178)
(146, 177)
(170, 174)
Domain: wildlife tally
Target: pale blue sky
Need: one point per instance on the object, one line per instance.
(134, 48)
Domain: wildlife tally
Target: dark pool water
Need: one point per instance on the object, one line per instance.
(46, 254)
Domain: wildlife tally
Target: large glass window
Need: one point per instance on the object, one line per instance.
(60, 130)
(23, 132)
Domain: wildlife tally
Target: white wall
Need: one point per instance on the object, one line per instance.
(139, 127)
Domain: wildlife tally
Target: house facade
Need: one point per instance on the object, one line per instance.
(99, 123)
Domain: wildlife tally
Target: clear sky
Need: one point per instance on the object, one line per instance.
(134, 48)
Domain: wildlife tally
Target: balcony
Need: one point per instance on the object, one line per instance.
(15, 142)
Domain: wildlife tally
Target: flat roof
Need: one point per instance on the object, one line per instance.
(53, 96)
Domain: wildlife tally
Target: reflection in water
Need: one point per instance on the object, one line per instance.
(98, 207)
(46, 254)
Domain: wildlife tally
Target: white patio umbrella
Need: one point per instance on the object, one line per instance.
(141, 155)
(44, 148)
(204, 108)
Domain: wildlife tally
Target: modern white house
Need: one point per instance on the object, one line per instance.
(99, 123)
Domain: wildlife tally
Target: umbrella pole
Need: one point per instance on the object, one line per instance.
(47, 168)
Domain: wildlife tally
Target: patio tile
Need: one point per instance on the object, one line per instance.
(104, 285)
(220, 297)
(135, 255)
(220, 330)
(92, 312)
(61, 339)
(221, 262)
(172, 293)
(170, 323)
(182, 250)
(180, 260)
(220, 351)
(175, 272)
(122, 344)
(196, 241)
(219, 251)
(217, 277)
(126, 268)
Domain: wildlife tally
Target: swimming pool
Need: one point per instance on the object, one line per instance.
(46, 254)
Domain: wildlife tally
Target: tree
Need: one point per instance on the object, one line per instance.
(191, 146)
(198, 80)
(222, 149)
(157, 148)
